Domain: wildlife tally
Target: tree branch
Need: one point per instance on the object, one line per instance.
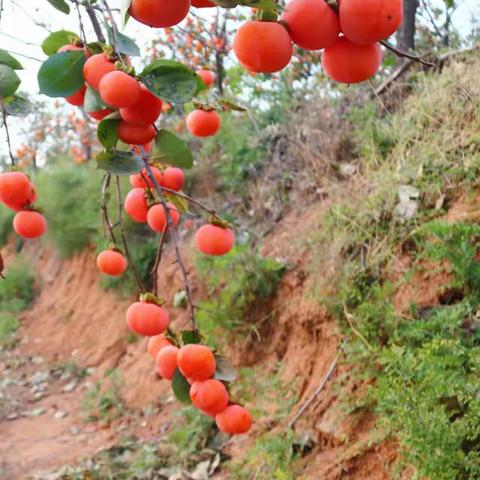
(158, 259)
(403, 54)
(173, 234)
(104, 207)
(7, 133)
(94, 21)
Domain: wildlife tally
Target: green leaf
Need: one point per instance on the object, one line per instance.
(180, 387)
(171, 81)
(60, 5)
(9, 81)
(107, 133)
(122, 43)
(172, 150)
(57, 40)
(92, 101)
(189, 336)
(7, 59)
(17, 106)
(225, 371)
(124, 15)
(119, 163)
(61, 75)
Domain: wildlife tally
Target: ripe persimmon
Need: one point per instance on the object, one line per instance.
(214, 240)
(145, 110)
(100, 114)
(111, 262)
(147, 319)
(201, 123)
(348, 62)
(135, 134)
(166, 361)
(77, 98)
(15, 190)
(119, 89)
(136, 205)
(207, 76)
(69, 48)
(157, 218)
(196, 362)
(142, 180)
(29, 224)
(368, 21)
(209, 396)
(173, 178)
(156, 343)
(264, 47)
(234, 420)
(95, 68)
(203, 4)
(159, 13)
(312, 24)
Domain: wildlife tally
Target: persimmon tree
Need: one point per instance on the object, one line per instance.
(97, 76)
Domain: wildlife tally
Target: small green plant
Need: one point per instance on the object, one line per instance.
(103, 402)
(235, 283)
(16, 293)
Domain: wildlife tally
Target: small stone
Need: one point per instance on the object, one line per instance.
(39, 377)
(70, 387)
(36, 412)
(60, 414)
(13, 416)
(74, 430)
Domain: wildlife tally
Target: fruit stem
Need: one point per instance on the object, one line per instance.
(173, 234)
(158, 260)
(123, 234)
(7, 133)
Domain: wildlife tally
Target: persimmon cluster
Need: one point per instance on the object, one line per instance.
(18, 193)
(348, 34)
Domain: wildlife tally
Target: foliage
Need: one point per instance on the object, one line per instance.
(16, 293)
(235, 283)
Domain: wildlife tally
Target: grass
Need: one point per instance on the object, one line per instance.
(16, 293)
(235, 283)
(424, 361)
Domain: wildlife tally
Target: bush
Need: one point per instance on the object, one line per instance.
(235, 282)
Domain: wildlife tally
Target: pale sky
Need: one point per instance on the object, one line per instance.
(18, 26)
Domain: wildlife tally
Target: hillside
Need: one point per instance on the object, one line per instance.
(373, 258)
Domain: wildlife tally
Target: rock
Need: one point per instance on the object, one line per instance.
(39, 377)
(70, 387)
(74, 430)
(12, 416)
(36, 412)
(201, 471)
(60, 414)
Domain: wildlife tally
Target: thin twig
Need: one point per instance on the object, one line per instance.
(94, 21)
(104, 207)
(314, 395)
(82, 29)
(5, 125)
(173, 233)
(348, 317)
(211, 211)
(123, 234)
(403, 54)
(158, 260)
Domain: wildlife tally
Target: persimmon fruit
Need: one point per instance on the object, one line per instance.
(15, 190)
(77, 98)
(210, 396)
(29, 224)
(95, 68)
(234, 420)
(159, 13)
(207, 76)
(156, 343)
(142, 180)
(196, 362)
(135, 134)
(263, 47)
(214, 240)
(136, 205)
(111, 262)
(368, 21)
(166, 362)
(203, 4)
(347, 62)
(147, 319)
(312, 24)
(100, 114)
(202, 123)
(119, 90)
(173, 178)
(145, 110)
(157, 218)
